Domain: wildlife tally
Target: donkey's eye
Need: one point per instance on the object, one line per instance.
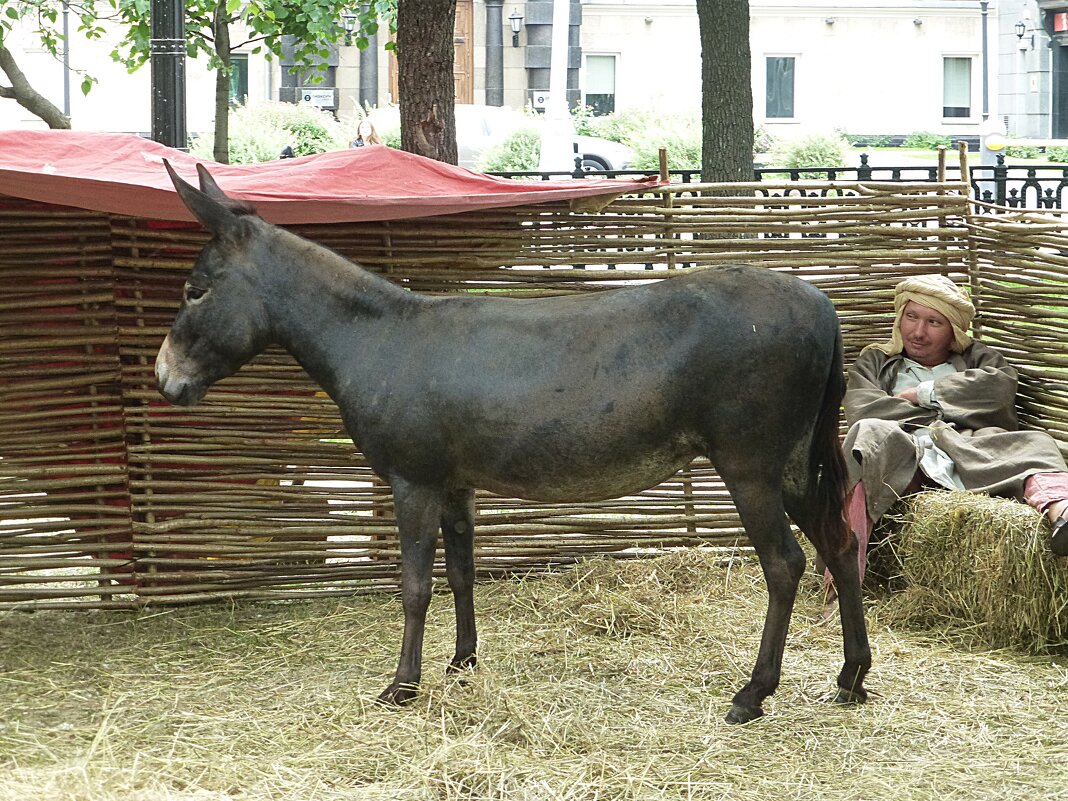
(194, 293)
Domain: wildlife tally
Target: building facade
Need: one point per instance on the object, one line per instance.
(874, 67)
(1033, 79)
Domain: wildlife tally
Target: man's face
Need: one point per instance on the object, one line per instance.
(927, 334)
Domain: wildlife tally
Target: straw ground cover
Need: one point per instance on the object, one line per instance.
(608, 680)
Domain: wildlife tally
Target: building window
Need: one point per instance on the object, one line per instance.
(601, 84)
(238, 79)
(779, 97)
(956, 87)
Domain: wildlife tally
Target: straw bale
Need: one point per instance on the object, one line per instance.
(980, 567)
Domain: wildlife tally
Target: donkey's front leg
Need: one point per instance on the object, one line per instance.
(458, 531)
(418, 513)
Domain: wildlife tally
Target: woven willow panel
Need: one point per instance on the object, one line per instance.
(64, 502)
(258, 493)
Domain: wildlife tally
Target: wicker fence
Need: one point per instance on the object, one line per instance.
(111, 498)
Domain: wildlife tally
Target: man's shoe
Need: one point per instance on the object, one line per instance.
(1058, 541)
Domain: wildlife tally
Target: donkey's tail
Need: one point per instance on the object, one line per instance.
(826, 461)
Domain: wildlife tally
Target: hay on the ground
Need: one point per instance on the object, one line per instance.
(981, 566)
(607, 681)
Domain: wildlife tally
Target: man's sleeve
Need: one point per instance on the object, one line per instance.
(981, 396)
(865, 397)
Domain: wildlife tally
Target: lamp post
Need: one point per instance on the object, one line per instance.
(516, 21)
(984, 6)
(167, 48)
(66, 60)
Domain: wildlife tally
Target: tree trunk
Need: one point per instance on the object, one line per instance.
(726, 91)
(425, 85)
(221, 31)
(26, 96)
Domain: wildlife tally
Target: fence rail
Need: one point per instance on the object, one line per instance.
(1039, 186)
(110, 498)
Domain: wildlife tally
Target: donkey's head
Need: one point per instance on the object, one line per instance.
(222, 321)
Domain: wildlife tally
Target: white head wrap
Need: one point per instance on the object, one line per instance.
(935, 292)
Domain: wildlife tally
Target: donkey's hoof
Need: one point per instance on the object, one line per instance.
(743, 714)
(845, 695)
(397, 695)
(460, 664)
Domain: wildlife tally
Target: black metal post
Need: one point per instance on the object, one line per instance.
(369, 69)
(167, 48)
(66, 60)
(1001, 180)
(983, 8)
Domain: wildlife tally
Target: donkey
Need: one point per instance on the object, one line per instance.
(555, 399)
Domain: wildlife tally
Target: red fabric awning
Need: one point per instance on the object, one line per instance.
(124, 174)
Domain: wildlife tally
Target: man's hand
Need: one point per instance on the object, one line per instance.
(910, 395)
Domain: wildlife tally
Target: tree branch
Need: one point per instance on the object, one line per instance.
(26, 96)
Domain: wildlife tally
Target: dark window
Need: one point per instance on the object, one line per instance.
(238, 78)
(601, 84)
(779, 102)
(956, 87)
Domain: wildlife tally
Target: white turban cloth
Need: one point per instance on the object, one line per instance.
(935, 292)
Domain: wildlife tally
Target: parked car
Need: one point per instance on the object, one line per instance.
(479, 128)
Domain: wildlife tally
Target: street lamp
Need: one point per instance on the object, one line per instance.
(1021, 30)
(348, 21)
(516, 21)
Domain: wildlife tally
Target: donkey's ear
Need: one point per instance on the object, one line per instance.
(212, 214)
(208, 185)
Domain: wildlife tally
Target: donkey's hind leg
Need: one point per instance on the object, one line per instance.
(758, 500)
(458, 531)
(841, 560)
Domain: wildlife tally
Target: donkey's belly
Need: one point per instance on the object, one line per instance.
(570, 481)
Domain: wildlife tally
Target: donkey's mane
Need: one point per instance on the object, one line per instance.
(360, 287)
(241, 208)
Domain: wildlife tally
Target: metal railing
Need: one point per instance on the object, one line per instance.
(1041, 186)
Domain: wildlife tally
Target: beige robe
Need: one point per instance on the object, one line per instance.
(975, 425)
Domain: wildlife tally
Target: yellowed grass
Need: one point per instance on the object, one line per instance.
(606, 681)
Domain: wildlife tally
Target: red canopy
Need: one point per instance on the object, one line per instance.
(124, 174)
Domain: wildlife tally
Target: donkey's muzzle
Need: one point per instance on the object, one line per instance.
(173, 383)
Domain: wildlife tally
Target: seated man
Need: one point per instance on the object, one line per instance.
(933, 408)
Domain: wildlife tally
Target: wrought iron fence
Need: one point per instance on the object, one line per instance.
(1041, 186)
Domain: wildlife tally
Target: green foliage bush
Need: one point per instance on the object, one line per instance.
(812, 150)
(641, 130)
(520, 152)
(683, 150)
(1055, 153)
(1022, 151)
(870, 140)
(763, 141)
(584, 121)
(258, 133)
(926, 140)
(624, 126)
(647, 133)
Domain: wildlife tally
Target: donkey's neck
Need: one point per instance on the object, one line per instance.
(319, 300)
